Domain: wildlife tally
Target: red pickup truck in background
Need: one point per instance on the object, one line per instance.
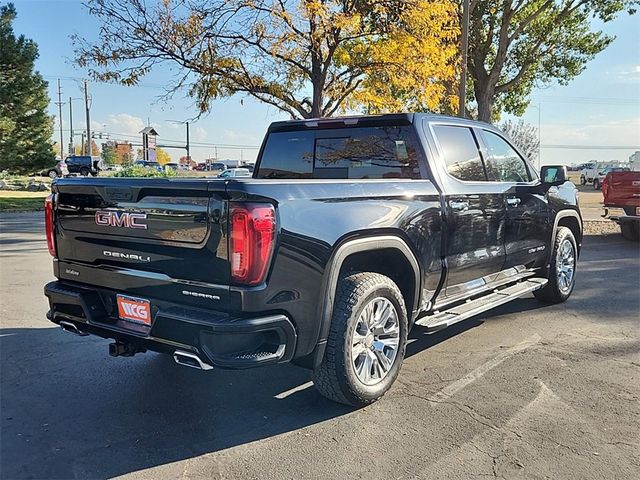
(621, 192)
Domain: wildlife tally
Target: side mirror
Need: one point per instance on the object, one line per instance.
(554, 175)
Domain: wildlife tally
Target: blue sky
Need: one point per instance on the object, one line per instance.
(599, 108)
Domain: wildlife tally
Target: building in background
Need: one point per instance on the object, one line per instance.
(634, 161)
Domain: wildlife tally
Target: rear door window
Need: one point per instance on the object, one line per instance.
(504, 164)
(461, 153)
(357, 153)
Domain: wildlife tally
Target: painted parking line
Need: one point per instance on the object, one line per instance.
(471, 377)
(299, 388)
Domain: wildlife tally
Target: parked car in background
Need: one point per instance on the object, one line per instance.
(58, 170)
(235, 172)
(210, 167)
(85, 165)
(154, 165)
(248, 166)
(621, 192)
(597, 181)
(171, 166)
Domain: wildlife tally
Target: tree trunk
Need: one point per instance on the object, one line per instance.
(484, 98)
(316, 101)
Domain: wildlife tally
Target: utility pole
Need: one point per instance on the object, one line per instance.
(71, 145)
(188, 155)
(462, 93)
(60, 103)
(539, 136)
(86, 106)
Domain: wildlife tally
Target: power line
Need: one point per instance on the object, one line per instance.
(592, 147)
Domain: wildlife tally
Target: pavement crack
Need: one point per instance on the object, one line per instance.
(466, 409)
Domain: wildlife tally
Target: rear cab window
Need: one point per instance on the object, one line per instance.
(372, 152)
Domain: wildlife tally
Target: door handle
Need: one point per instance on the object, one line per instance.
(513, 201)
(459, 205)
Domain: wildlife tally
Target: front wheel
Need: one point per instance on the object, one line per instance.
(583, 180)
(52, 174)
(84, 172)
(596, 184)
(562, 269)
(366, 342)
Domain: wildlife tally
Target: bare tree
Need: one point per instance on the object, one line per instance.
(524, 135)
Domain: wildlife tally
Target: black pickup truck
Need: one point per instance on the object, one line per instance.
(350, 232)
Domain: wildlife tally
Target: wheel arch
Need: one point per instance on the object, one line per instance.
(359, 255)
(570, 219)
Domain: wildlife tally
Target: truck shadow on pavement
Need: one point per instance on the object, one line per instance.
(76, 412)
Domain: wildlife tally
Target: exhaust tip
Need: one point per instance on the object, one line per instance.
(189, 359)
(72, 328)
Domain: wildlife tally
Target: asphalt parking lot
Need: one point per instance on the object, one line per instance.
(524, 391)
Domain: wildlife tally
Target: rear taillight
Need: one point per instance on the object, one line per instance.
(48, 223)
(252, 238)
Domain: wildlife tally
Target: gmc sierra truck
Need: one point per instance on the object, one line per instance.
(350, 232)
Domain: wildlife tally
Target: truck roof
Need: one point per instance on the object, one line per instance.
(366, 120)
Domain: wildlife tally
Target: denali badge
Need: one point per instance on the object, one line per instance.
(121, 219)
(128, 256)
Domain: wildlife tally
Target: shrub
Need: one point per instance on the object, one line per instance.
(140, 171)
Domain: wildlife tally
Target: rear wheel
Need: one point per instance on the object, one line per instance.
(583, 180)
(367, 340)
(562, 269)
(596, 184)
(52, 174)
(84, 172)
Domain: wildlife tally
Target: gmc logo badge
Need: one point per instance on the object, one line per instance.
(121, 219)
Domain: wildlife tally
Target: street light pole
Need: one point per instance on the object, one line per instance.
(71, 144)
(188, 145)
(86, 106)
(188, 155)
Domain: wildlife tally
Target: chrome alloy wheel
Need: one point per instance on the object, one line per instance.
(375, 340)
(565, 265)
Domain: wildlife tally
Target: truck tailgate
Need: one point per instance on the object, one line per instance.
(152, 237)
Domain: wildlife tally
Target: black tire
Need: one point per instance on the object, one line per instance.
(552, 291)
(84, 172)
(336, 377)
(583, 180)
(630, 230)
(596, 184)
(52, 174)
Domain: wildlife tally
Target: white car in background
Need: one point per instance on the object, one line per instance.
(235, 173)
(589, 172)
